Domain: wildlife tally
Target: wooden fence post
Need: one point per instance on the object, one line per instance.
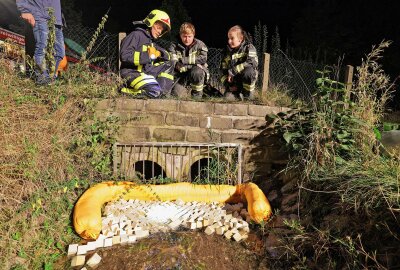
(265, 74)
(348, 82)
(121, 35)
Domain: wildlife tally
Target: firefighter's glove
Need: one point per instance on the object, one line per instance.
(180, 67)
(153, 53)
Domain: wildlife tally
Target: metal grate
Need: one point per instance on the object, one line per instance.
(162, 162)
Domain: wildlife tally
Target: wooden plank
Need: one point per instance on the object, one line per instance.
(121, 36)
(267, 58)
(348, 82)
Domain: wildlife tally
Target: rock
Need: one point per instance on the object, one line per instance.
(289, 187)
(272, 195)
(272, 244)
(78, 260)
(289, 176)
(278, 221)
(290, 209)
(290, 199)
(94, 260)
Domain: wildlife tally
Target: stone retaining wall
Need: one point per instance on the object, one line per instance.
(198, 122)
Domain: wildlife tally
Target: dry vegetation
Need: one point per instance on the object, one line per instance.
(51, 150)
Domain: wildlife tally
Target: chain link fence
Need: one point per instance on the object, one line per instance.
(104, 55)
(298, 78)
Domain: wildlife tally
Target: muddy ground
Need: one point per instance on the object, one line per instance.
(182, 250)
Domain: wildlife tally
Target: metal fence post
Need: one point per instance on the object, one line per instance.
(121, 36)
(266, 73)
(114, 158)
(348, 82)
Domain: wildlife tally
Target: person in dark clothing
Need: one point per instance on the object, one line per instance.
(190, 60)
(146, 66)
(36, 14)
(239, 65)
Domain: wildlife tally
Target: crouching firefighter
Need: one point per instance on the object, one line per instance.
(146, 66)
(190, 59)
(239, 65)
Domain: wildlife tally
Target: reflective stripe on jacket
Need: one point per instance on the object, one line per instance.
(195, 54)
(133, 53)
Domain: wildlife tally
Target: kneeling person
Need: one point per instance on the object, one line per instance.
(190, 59)
(239, 65)
(145, 65)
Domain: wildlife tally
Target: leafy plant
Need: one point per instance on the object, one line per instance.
(323, 134)
(96, 34)
(97, 144)
(50, 63)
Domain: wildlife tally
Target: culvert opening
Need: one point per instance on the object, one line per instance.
(199, 171)
(211, 170)
(147, 170)
(214, 163)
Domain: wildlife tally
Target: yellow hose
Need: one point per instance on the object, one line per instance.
(87, 211)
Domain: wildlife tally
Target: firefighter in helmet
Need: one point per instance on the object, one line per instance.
(146, 66)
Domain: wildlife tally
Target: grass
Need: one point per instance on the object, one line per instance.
(278, 95)
(52, 148)
(219, 167)
(366, 179)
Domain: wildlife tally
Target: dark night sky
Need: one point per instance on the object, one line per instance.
(340, 27)
(211, 18)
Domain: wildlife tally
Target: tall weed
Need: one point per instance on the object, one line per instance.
(345, 180)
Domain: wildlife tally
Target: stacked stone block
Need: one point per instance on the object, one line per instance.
(125, 222)
(197, 122)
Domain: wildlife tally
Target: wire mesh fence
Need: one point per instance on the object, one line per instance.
(103, 56)
(298, 78)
